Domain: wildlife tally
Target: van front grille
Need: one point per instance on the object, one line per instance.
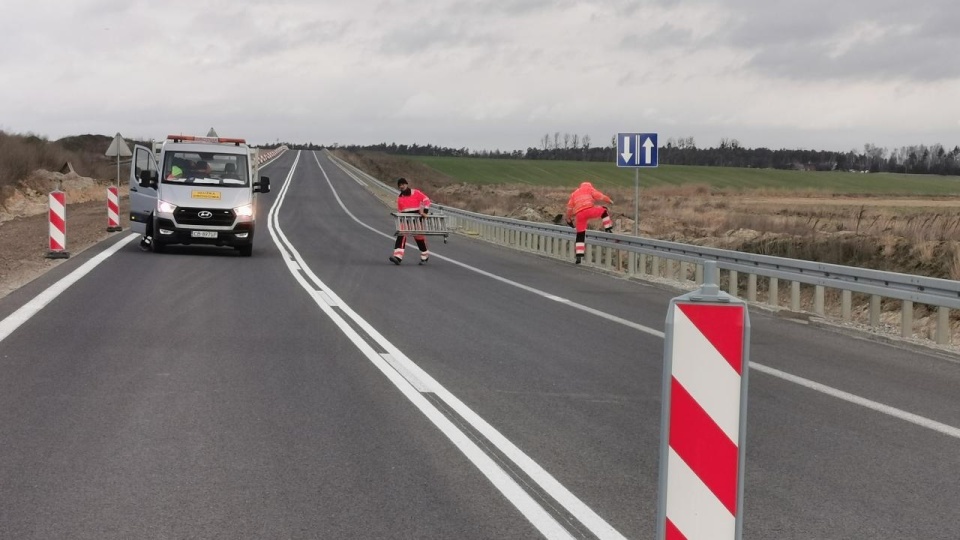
(213, 217)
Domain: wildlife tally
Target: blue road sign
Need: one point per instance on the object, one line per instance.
(637, 150)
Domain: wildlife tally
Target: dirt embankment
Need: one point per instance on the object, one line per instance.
(25, 226)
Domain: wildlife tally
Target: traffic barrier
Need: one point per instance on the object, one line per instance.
(703, 422)
(58, 226)
(261, 158)
(113, 210)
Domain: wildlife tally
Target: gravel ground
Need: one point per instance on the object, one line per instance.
(25, 241)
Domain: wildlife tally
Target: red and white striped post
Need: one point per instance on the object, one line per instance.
(58, 226)
(113, 210)
(703, 423)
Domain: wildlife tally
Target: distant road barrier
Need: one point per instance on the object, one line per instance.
(645, 258)
(113, 210)
(58, 226)
(267, 156)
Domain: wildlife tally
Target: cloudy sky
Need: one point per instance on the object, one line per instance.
(487, 74)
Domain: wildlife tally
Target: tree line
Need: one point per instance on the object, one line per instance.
(918, 159)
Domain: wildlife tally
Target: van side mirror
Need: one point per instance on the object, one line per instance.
(263, 186)
(148, 179)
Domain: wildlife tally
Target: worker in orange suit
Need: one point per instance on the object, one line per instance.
(410, 201)
(585, 204)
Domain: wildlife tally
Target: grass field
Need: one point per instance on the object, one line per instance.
(896, 222)
(570, 173)
(899, 223)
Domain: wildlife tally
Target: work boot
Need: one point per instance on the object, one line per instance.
(394, 259)
(424, 260)
(145, 243)
(609, 229)
(579, 258)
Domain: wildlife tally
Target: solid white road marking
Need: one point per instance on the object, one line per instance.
(28, 310)
(839, 394)
(863, 402)
(523, 501)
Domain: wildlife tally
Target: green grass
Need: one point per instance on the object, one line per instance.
(571, 173)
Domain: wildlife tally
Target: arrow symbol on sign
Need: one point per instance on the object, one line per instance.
(648, 151)
(626, 154)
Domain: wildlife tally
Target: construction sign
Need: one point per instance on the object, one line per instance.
(118, 148)
(703, 423)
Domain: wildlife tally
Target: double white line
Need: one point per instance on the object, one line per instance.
(414, 383)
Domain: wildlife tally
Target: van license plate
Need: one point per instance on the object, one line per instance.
(203, 234)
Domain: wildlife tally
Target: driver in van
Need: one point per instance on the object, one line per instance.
(202, 170)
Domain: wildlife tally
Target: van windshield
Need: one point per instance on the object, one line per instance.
(208, 168)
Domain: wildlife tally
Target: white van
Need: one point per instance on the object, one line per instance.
(198, 190)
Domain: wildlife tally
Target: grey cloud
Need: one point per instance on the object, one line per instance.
(506, 7)
(922, 60)
(244, 42)
(664, 36)
(103, 8)
(462, 24)
(306, 33)
(634, 8)
(798, 40)
(428, 35)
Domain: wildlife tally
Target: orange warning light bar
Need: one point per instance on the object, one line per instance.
(192, 138)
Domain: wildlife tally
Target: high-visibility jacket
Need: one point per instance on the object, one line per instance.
(585, 196)
(412, 202)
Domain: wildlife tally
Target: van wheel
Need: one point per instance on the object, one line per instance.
(246, 251)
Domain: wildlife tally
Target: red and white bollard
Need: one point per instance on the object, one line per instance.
(58, 226)
(703, 424)
(113, 210)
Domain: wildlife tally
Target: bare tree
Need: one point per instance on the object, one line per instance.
(545, 141)
(875, 156)
(566, 141)
(575, 143)
(556, 140)
(586, 142)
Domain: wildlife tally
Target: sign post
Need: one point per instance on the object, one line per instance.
(703, 422)
(637, 150)
(118, 147)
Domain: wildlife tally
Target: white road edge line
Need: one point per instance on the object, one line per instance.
(857, 400)
(523, 501)
(921, 421)
(28, 310)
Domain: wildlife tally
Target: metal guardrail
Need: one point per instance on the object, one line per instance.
(660, 257)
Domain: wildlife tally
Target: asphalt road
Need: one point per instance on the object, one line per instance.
(316, 390)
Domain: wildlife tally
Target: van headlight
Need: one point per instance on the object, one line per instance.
(164, 207)
(244, 211)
